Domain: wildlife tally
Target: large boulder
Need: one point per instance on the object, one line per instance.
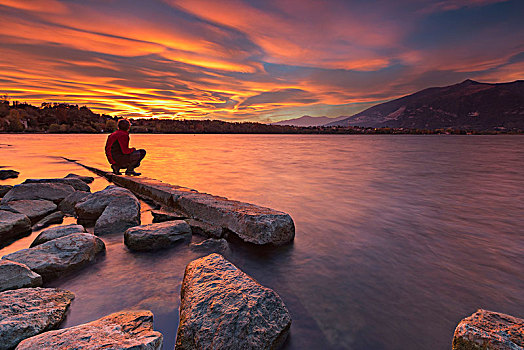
(67, 206)
(125, 330)
(4, 189)
(59, 256)
(77, 184)
(34, 209)
(488, 330)
(157, 236)
(57, 232)
(53, 192)
(14, 275)
(13, 225)
(54, 218)
(223, 308)
(8, 174)
(30, 311)
(86, 179)
(114, 209)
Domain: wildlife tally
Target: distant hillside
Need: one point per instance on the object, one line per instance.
(469, 105)
(307, 120)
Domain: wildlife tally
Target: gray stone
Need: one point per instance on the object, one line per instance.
(77, 184)
(204, 229)
(115, 209)
(125, 330)
(59, 256)
(223, 308)
(57, 232)
(27, 312)
(211, 245)
(8, 174)
(157, 236)
(4, 189)
(52, 192)
(34, 209)
(13, 225)
(86, 179)
(488, 330)
(53, 218)
(162, 216)
(14, 275)
(67, 206)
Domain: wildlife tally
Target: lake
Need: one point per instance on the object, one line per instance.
(398, 237)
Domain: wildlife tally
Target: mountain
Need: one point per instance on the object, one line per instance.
(468, 105)
(306, 120)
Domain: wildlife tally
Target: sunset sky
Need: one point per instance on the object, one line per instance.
(251, 60)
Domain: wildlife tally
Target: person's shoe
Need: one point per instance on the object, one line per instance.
(133, 173)
(116, 170)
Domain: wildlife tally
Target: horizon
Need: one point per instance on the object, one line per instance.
(250, 61)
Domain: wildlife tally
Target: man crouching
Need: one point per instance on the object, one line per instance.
(119, 154)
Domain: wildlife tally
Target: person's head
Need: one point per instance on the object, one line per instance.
(124, 124)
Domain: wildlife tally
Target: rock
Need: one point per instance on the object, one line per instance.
(125, 330)
(67, 206)
(13, 225)
(77, 184)
(30, 311)
(8, 174)
(86, 179)
(14, 275)
(4, 189)
(57, 232)
(156, 236)
(203, 229)
(59, 256)
(53, 218)
(162, 216)
(223, 308)
(115, 209)
(34, 209)
(211, 245)
(488, 330)
(52, 192)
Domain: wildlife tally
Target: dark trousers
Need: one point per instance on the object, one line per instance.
(131, 161)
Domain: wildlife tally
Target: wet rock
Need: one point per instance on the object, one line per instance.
(4, 189)
(125, 330)
(53, 192)
(115, 209)
(223, 308)
(488, 330)
(157, 236)
(67, 206)
(59, 256)
(77, 184)
(86, 179)
(14, 275)
(162, 216)
(34, 209)
(57, 232)
(30, 311)
(8, 174)
(204, 229)
(53, 218)
(211, 245)
(13, 225)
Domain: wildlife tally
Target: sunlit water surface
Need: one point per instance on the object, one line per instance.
(397, 237)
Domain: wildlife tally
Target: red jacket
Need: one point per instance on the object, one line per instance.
(112, 149)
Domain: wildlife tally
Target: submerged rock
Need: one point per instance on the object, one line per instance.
(13, 225)
(57, 232)
(59, 256)
(14, 275)
(125, 330)
(53, 218)
(67, 206)
(223, 308)
(52, 192)
(204, 229)
(86, 179)
(162, 216)
(211, 245)
(114, 209)
(156, 236)
(77, 184)
(4, 189)
(30, 311)
(8, 174)
(488, 330)
(34, 209)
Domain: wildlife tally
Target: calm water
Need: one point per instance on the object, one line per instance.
(397, 237)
